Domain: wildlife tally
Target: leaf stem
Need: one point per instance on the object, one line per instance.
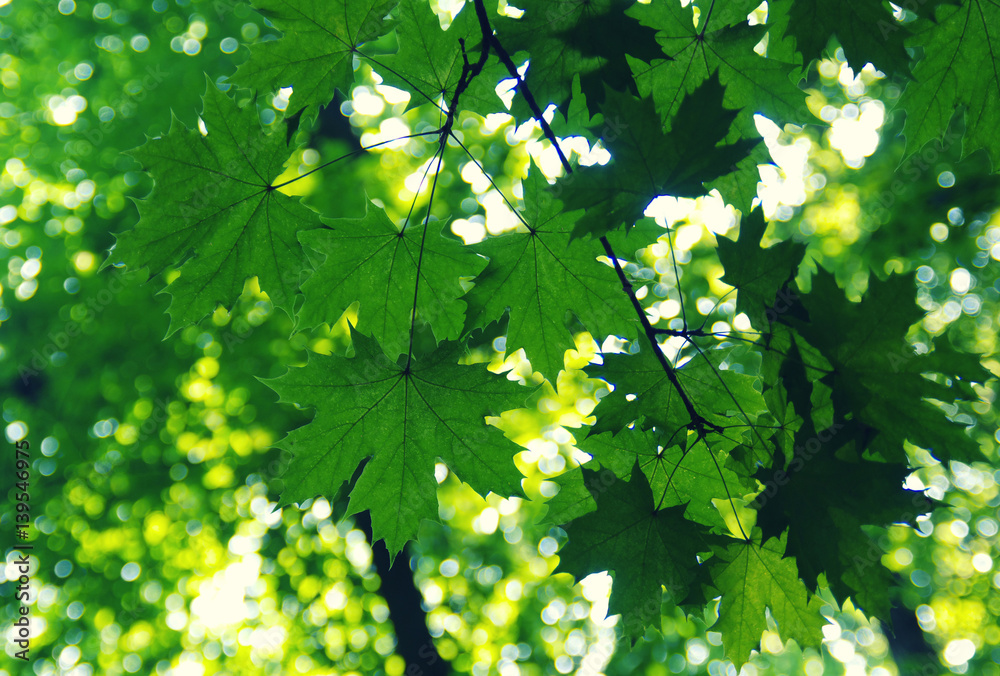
(469, 72)
(728, 494)
(489, 178)
(704, 25)
(351, 154)
(420, 257)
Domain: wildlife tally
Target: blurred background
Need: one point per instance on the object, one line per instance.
(157, 548)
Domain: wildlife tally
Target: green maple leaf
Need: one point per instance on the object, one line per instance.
(876, 374)
(540, 275)
(719, 394)
(678, 474)
(753, 84)
(569, 38)
(370, 260)
(648, 162)
(214, 203)
(316, 53)
(960, 68)
(825, 536)
(753, 577)
(648, 548)
(759, 275)
(578, 120)
(864, 28)
(403, 418)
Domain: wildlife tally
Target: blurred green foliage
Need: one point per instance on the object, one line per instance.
(156, 545)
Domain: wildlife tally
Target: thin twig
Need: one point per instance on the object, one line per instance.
(490, 39)
(698, 422)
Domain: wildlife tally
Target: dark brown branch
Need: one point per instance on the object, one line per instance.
(414, 642)
(698, 422)
(491, 40)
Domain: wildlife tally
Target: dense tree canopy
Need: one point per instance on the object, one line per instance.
(396, 336)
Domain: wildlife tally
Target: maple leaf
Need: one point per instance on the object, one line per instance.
(960, 68)
(827, 536)
(753, 577)
(674, 447)
(753, 83)
(577, 120)
(573, 38)
(648, 162)
(370, 260)
(403, 418)
(214, 204)
(540, 275)
(865, 29)
(759, 275)
(316, 53)
(646, 547)
(876, 374)
(678, 474)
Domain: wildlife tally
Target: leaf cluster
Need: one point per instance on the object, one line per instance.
(752, 465)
